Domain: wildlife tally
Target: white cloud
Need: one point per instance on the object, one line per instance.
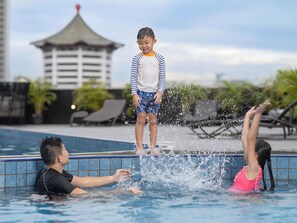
(223, 55)
(198, 38)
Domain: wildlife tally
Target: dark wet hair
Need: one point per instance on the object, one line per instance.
(263, 149)
(146, 31)
(50, 148)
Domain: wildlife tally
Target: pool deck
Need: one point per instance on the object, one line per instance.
(171, 137)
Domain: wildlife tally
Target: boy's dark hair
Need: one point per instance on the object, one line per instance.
(50, 148)
(146, 31)
(263, 149)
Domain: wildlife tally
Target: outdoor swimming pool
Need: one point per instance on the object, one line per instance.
(175, 190)
(157, 204)
(15, 142)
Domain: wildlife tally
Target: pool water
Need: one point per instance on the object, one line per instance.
(9, 149)
(157, 204)
(175, 189)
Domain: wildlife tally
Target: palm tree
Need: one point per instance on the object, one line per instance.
(91, 96)
(40, 95)
(285, 84)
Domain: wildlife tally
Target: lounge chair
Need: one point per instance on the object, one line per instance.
(77, 117)
(206, 123)
(284, 120)
(111, 110)
(203, 110)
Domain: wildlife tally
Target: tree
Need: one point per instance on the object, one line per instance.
(189, 95)
(40, 95)
(91, 96)
(236, 97)
(285, 84)
(130, 110)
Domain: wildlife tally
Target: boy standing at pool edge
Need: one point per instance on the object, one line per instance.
(147, 88)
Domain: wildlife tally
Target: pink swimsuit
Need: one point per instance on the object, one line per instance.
(242, 184)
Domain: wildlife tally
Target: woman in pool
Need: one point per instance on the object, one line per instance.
(256, 153)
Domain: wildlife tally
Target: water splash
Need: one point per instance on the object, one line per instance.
(186, 172)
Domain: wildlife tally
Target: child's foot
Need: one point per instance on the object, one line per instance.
(155, 151)
(140, 152)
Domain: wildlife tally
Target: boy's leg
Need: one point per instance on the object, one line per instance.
(152, 111)
(153, 129)
(139, 128)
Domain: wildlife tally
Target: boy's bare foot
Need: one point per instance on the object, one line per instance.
(140, 152)
(155, 151)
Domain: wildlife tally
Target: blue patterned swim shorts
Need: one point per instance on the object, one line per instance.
(147, 103)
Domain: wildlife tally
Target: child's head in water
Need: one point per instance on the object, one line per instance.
(263, 151)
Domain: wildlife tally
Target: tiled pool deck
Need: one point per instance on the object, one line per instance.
(172, 137)
(19, 172)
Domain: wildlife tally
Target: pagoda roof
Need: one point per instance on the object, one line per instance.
(76, 32)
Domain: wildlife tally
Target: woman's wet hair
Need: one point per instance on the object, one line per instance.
(263, 149)
(50, 148)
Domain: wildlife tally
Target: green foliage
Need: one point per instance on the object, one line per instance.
(190, 94)
(40, 95)
(126, 94)
(236, 97)
(285, 85)
(91, 96)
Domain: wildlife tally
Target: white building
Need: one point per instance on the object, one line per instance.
(76, 54)
(4, 76)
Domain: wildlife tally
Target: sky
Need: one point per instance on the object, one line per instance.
(201, 40)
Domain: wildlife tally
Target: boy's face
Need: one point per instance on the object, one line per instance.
(146, 44)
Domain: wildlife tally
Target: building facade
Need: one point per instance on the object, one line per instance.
(4, 75)
(77, 54)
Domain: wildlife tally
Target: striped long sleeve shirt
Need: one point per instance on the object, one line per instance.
(148, 73)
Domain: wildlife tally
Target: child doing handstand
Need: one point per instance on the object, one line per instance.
(256, 153)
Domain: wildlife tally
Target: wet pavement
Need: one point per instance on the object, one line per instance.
(170, 137)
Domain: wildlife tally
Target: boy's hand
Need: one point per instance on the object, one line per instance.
(136, 100)
(158, 97)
